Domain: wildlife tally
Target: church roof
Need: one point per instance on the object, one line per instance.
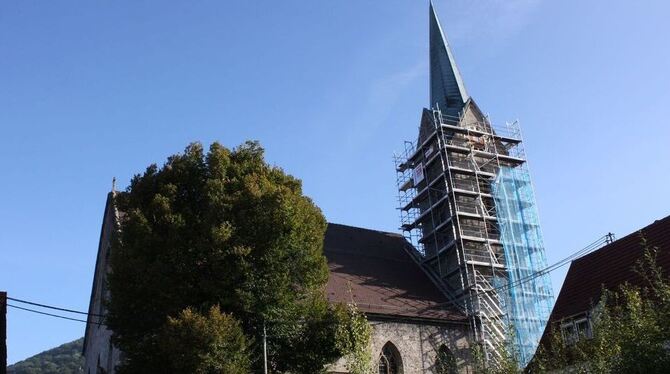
(374, 269)
(447, 90)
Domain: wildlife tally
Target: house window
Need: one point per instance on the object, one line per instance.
(389, 360)
(583, 328)
(568, 332)
(577, 329)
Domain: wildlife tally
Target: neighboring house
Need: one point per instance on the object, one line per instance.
(608, 268)
(412, 320)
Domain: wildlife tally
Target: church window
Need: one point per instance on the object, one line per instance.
(445, 362)
(389, 360)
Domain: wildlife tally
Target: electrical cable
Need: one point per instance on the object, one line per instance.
(53, 315)
(53, 307)
(582, 252)
(557, 265)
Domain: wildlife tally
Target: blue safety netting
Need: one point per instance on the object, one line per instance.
(528, 297)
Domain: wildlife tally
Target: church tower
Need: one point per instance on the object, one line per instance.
(468, 208)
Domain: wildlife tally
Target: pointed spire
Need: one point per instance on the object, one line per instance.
(446, 85)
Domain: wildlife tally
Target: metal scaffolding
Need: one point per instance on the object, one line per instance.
(466, 205)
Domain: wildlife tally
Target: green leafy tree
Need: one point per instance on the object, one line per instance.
(506, 363)
(200, 344)
(222, 228)
(445, 362)
(354, 339)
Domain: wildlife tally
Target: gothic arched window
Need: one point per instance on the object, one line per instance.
(445, 363)
(389, 360)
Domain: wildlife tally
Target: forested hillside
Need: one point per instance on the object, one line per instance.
(65, 359)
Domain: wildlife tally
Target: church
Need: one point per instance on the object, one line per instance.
(462, 272)
(374, 269)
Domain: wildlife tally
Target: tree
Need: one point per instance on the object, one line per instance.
(445, 362)
(505, 363)
(64, 359)
(354, 338)
(221, 228)
(631, 330)
(200, 344)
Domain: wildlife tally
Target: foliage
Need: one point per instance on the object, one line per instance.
(631, 330)
(354, 338)
(506, 364)
(198, 344)
(64, 359)
(445, 362)
(222, 228)
(310, 339)
(478, 359)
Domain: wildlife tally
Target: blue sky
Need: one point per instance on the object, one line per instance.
(93, 90)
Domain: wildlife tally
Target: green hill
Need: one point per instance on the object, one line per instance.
(65, 359)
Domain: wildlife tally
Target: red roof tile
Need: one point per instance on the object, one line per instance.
(373, 269)
(609, 267)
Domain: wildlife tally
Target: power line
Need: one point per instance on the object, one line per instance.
(557, 265)
(580, 253)
(52, 315)
(53, 307)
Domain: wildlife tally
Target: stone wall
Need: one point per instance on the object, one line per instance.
(417, 344)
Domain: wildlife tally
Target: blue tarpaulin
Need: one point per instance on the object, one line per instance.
(527, 293)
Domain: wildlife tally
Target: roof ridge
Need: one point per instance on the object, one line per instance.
(365, 228)
(614, 244)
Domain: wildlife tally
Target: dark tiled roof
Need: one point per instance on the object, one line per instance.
(374, 269)
(610, 266)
